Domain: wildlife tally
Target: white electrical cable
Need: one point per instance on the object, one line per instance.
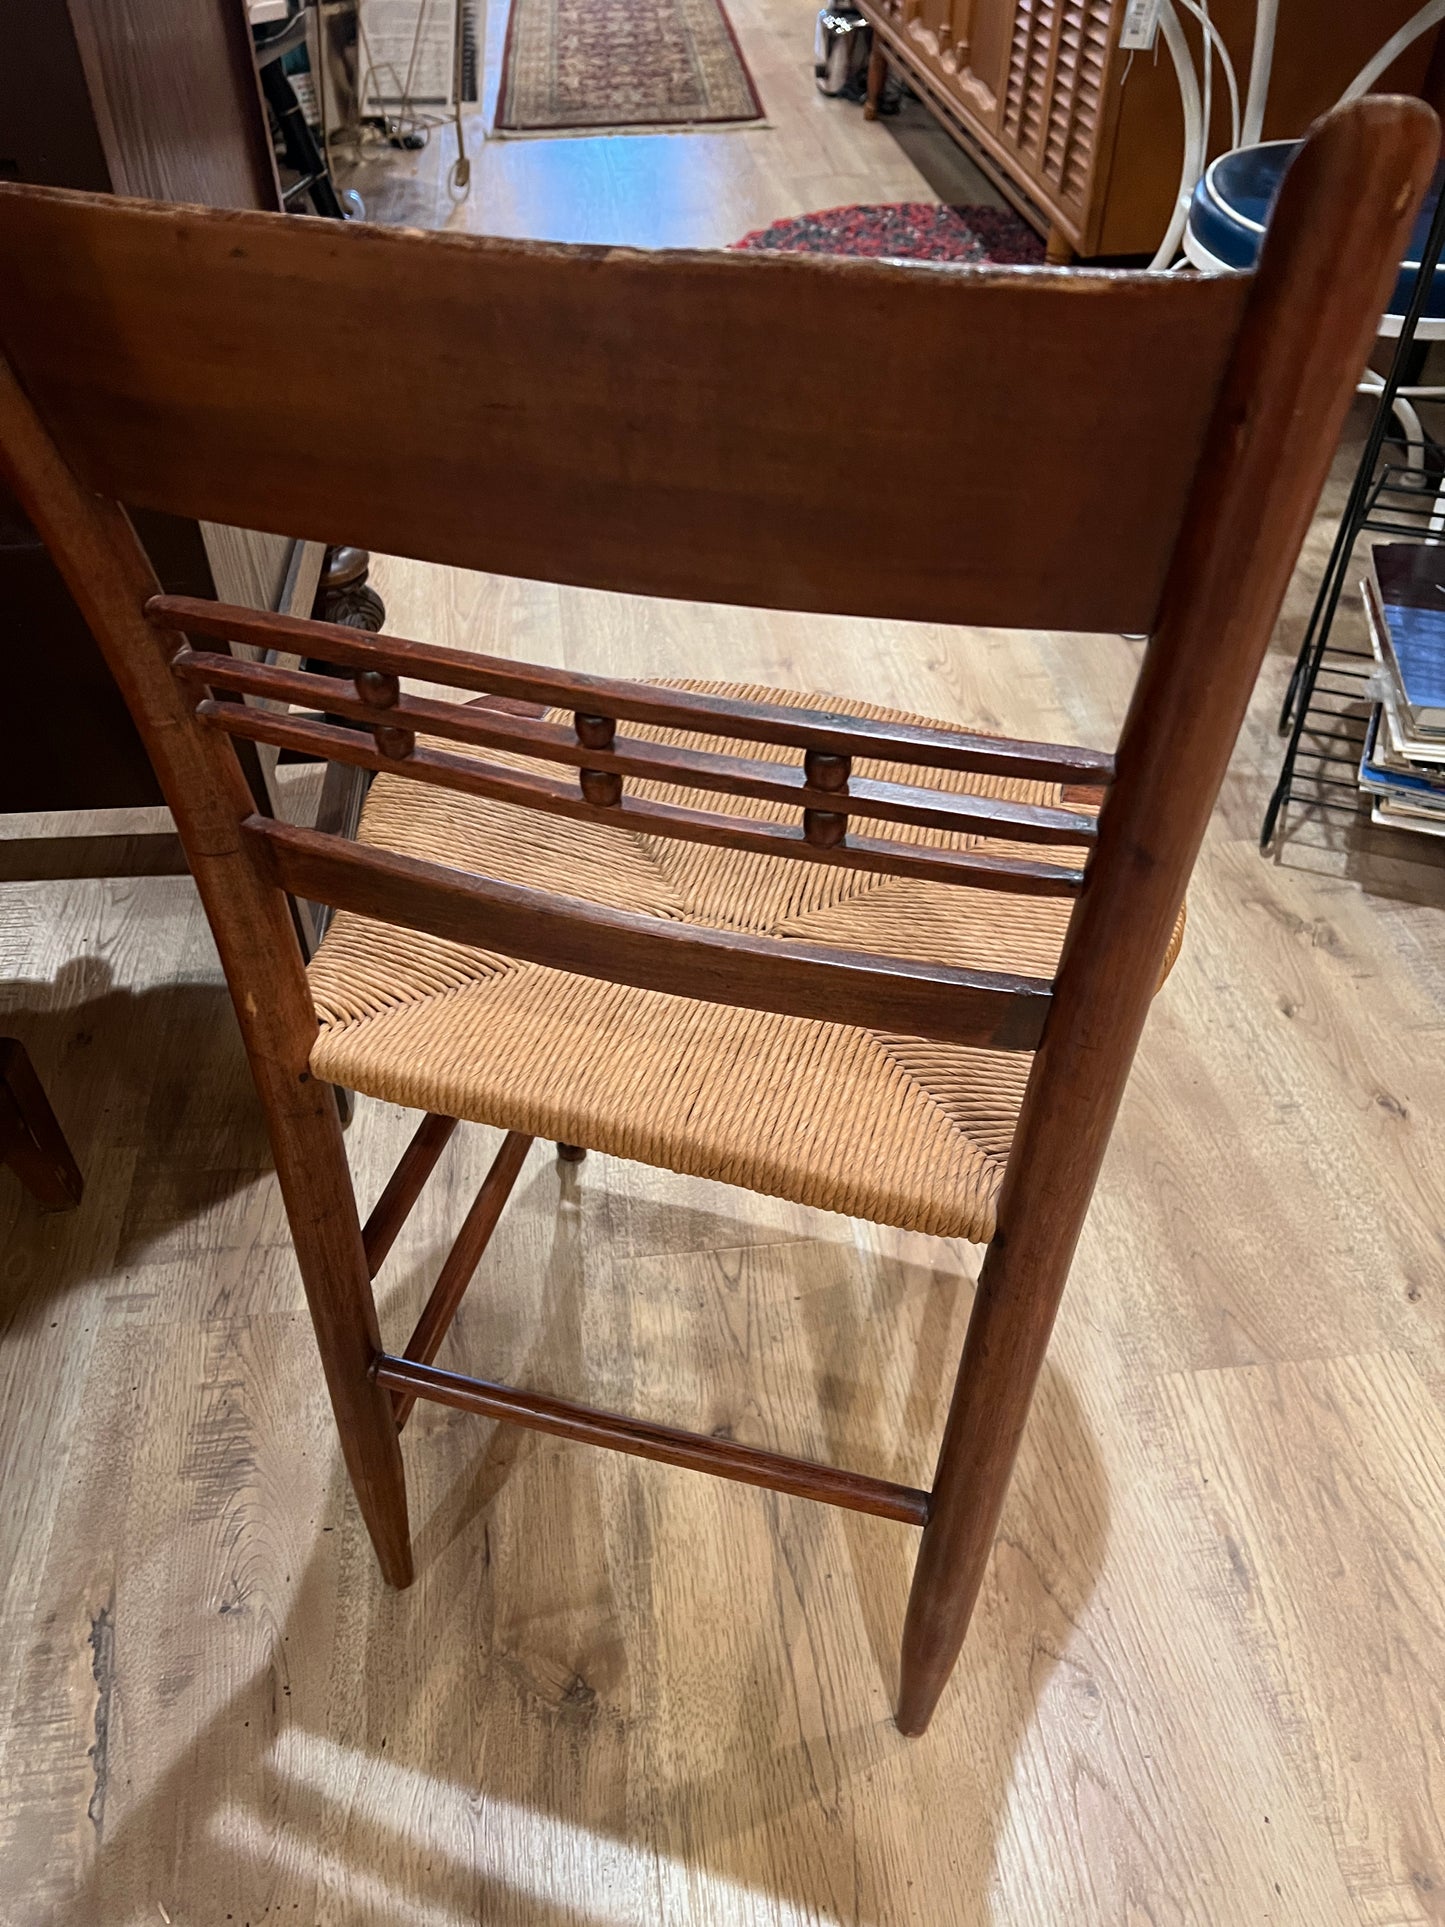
(1429, 15)
(459, 179)
(1202, 15)
(1194, 131)
(1266, 14)
(1247, 128)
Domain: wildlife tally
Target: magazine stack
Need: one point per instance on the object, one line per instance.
(1402, 768)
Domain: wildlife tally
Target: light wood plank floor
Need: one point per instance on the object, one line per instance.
(702, 189)
(1205, 1680)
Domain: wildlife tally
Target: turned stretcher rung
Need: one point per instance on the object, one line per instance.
(462, 1260)
(725, 1458)
(404, 1187)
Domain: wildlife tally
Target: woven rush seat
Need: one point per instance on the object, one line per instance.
(892, 1128)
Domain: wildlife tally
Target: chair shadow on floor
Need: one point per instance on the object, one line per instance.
(484, 1747)
(151, 1090)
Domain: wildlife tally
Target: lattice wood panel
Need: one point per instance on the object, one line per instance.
(1053, 102)
(1074, 110)
(1035, 23)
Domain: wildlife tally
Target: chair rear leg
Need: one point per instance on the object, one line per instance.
(326, 1232)
(1008, 1335)
(366, 1422)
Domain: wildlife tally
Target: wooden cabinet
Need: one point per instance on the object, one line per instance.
(1087, 140)
(146, 97)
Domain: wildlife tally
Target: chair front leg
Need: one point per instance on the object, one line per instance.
(1003, 1352)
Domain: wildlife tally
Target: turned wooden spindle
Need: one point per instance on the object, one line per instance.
(826, 829)
(379, 689)
(602, 787)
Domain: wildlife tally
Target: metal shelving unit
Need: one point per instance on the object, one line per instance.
(1327, 706)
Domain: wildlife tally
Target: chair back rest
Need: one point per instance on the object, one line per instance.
(659, 423)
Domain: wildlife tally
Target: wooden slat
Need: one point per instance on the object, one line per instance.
(642, 422)
(404, 1187)
(724, 1458)
(655, 762)
(475, 778)
(462, 1260)
(933, 746)
(982, 1007)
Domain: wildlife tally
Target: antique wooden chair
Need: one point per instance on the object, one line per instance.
(880, 965)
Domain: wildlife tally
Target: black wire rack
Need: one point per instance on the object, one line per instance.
(1327, 706)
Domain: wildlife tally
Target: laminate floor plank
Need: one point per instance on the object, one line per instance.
(1310, 1483)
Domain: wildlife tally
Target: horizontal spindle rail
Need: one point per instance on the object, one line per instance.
(474, 777)
(926, 808)
(817, 729)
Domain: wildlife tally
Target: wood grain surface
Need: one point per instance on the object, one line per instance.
(577, 421)
(994, 1008)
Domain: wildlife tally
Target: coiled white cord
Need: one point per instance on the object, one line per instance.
(1195, 137)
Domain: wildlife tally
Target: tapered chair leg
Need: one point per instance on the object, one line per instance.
(370, 1445)
(31, 1140)
(877, 79)
(1008, 1335)
(311, 1164)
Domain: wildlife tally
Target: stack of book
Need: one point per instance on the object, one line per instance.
(1402, 768)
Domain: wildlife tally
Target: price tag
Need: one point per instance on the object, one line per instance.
(1141, 23)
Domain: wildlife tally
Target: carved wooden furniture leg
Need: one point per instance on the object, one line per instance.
(346, 595)
(316, 1186)
(877, 79)
(1150, 829)
(31, 1140)
(1008, 1336)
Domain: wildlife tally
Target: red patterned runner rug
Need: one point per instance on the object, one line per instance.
(904, 230)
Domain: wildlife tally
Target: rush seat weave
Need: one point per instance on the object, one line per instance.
(891, 1128)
